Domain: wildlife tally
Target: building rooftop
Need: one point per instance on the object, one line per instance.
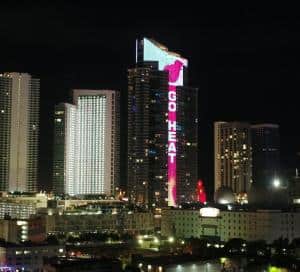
(265, 125)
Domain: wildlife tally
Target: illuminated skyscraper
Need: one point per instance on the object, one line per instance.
(265, 154)
(162, 128)
(233, 166)
(86, 145)
(19, 132)
(64, 147)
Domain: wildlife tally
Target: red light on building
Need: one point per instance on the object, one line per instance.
(201, 194)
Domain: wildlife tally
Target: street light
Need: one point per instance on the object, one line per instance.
(276, 183)
(171, 239)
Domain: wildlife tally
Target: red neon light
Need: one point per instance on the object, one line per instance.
(201, 194)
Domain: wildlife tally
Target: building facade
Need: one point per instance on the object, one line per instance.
(265, 154)
(17, 231)
(19, 132)
(233, 156)
(16, 210)
(85, 221)
(64, 147)
(27, 257)
(86, 144)
(162, 128)
(249, 225)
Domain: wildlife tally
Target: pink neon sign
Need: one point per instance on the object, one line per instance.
(173, 63)
(174, 72)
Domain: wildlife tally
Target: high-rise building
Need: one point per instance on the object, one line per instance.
(265, 154)
(64, 147)
(162, 128)
(86, 144)
(233, 167)
(19, 132)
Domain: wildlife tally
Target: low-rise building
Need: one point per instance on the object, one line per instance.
(16, 231)
(249, 225)
(21, 206)
(89, 221)
(28, 257)
(14, 209)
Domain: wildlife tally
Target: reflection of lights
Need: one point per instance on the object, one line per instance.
(140, 241)
(160, 269)
(140, 265)
(156, 241)
(149, 267)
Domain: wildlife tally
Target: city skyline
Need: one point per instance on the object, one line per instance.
(149, 138)
(249, 61)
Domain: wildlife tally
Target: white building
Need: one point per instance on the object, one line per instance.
(248, 225)
(19, 130)
(86, 145)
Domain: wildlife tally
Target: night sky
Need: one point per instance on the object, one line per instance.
(244, 61)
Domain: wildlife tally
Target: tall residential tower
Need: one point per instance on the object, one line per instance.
(86, 145)
(19, 132)
(162, 128)
(265, 154)
(233, 167)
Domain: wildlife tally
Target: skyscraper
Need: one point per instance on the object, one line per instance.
(19, 132)
(64, 147)
(86, 145)
(233, 167)
(162, 128)
(265, 154)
